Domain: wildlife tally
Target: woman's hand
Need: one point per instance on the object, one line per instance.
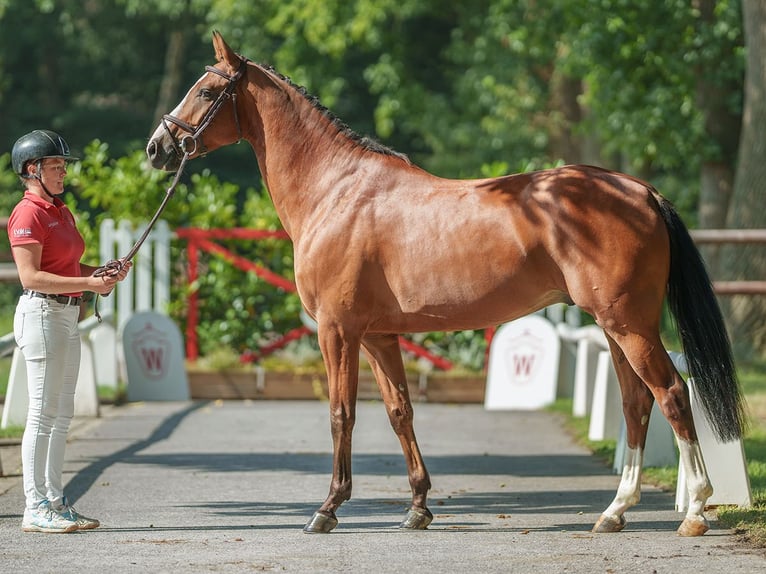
(107, 276)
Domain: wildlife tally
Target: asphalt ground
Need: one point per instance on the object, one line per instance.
(228, 486)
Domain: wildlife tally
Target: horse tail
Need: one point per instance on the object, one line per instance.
(699, 321)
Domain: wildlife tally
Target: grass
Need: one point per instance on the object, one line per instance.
(12, 431)
(5, 370)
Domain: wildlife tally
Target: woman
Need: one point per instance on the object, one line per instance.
(47, 249)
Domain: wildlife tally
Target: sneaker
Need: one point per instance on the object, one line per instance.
(83, 522)
(45, 519)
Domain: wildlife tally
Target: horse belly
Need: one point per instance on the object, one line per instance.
(467, 296)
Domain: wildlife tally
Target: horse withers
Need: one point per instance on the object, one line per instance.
(382, 247)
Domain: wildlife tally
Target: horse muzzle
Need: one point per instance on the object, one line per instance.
(162, 156)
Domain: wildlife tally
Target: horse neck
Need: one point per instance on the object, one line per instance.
(301, 153)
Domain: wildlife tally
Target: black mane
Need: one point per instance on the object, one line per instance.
(365, 142)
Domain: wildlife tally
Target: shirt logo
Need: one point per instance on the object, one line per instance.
(22, 232)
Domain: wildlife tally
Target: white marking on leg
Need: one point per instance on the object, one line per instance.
(697, 481)
(629, 491)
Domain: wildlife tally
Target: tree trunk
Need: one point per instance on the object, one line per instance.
(747, 314)
(175, 56)
(566, 113)
(722, 126)
(716, 188)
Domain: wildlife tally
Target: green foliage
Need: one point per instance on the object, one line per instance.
(11, 189)
(642, 89)
(12, 431)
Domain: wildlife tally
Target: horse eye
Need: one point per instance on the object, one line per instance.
(206, 94)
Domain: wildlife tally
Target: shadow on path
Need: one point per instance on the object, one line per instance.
(81, 482)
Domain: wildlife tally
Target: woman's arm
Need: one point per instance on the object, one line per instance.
(28, 257)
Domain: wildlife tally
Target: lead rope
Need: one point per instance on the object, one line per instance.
(113, 267)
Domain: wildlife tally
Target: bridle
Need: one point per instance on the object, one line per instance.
(194, 138)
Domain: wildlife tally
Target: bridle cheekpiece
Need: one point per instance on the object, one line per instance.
(189, 144)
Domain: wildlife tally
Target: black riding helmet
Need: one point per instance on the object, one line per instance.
(38, 145)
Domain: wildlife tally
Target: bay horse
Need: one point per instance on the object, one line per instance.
(383, 247)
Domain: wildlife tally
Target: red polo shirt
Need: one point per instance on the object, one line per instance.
(34, 220)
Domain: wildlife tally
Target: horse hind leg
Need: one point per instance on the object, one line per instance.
(637, 404)
(651, 363)
(385, 358)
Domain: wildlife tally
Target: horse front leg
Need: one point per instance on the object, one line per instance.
(385, 358)
(341, 358)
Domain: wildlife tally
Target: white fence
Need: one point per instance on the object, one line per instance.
(149, 286)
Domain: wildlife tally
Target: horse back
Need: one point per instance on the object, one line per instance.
(424, 253)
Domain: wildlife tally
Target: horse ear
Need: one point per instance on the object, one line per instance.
(223, 53)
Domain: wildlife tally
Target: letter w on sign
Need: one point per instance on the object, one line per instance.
(151, 348)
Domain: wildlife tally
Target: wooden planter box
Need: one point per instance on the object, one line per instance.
(269, 385)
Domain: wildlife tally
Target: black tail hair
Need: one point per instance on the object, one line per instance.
(706, 344)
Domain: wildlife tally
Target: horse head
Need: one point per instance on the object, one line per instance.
(202, 122)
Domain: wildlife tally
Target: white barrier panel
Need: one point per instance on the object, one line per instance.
(660, 447)
(585, 376)
(103, 340)
(16, 399)
(590, 341)
(154, 359)
(523, 365)
(86, 403)
(606, 412)
(725, 463)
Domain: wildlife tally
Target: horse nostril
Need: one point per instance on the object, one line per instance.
(151, 149)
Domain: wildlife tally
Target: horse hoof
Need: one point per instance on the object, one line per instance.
(320, 523)
(609, 524)
(417, 519)
(693, 527)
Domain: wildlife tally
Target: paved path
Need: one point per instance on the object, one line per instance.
(227, 487)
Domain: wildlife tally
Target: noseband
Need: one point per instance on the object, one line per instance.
(189, 144)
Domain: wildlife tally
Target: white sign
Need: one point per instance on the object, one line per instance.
(154, 359)
(523, 365)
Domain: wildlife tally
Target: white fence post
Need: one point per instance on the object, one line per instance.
(161, 244)
(606, 412)
(589, 341)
